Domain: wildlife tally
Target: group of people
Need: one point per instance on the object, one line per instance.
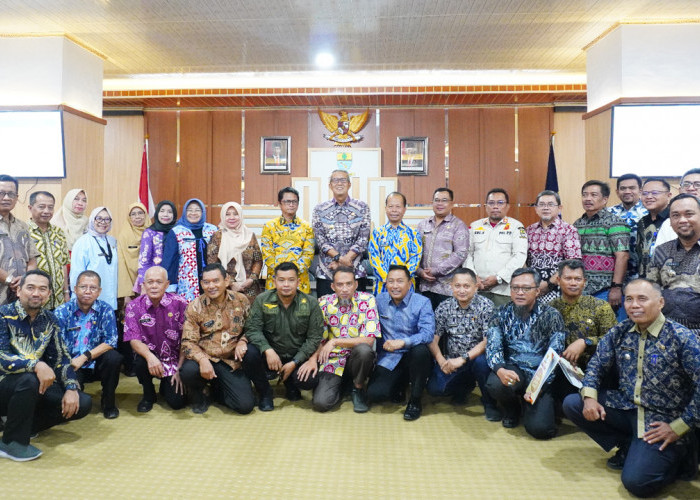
(452, 306)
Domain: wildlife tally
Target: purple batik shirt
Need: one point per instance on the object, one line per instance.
(159, 327)
(150, 254)
(444, 250)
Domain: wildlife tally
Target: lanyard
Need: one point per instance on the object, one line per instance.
(106, 253)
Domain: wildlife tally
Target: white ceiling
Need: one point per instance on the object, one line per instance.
(226, 36)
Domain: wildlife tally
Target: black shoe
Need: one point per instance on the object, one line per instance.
(617, 461)
(111, 413)
(492, 413)
(200, 407)
(359, 401)
(413, 411)
(399, 397)
(144, 406)
(293, 393)
(510, 422)
(266, 403)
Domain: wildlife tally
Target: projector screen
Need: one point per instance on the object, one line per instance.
(31, 144)
(655, 140)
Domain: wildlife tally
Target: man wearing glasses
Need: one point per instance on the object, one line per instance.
(497, 247)
(89, 331)
(342, 227)
(18, 252)
(690, 184)
(656, 193)
(445, 243)
(288, 238)
(518, 338)
(550, 241)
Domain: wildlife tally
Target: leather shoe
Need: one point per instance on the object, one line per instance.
(144, 406)
(359, 401)
(200, 407)
(292, 393)
(413, 411)
(617, 461)
(492, 413)
(510, 422)
(111, 413)
(266, 403)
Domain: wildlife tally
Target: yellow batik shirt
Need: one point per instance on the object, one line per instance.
(284, 241)
(53, 258)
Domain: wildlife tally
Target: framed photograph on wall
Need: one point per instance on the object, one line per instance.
(412, 156)
(275, 155)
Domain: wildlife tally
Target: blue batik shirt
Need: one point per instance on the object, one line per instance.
(84, 331)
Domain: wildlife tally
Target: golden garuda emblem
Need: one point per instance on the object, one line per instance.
(343, 128)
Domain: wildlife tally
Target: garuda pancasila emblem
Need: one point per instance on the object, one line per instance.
(343, 128)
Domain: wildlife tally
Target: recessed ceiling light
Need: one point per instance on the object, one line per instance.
(325, 60)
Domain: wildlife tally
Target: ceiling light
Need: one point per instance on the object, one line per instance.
(325, 60)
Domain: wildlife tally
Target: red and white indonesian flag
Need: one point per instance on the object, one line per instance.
(145, 196)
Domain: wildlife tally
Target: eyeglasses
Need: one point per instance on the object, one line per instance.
(442, 200)
(289, 202)
(9, 194)
(103, 220)
(340, 181)
(684, 185)
(88, 288)
(653, 194)
(547, 205)
(522, 289)
(493, 203)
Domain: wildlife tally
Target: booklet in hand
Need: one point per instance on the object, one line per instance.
(551, 360)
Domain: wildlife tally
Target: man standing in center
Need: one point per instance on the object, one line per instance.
(341, 227)
(497, 247)
(631, 210)
(445, 244)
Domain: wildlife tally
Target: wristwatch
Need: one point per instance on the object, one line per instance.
(336, 257)
(466, 357)
(88, 355)
(9, 279)
(615, 285)
(499, 280)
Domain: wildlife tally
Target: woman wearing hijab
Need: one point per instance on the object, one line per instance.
(185, 250)
(97, 251)
(151, 250)
(236, 247)
(128, 244)
(71, 217)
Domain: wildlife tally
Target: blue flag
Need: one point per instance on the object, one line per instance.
(552, 183)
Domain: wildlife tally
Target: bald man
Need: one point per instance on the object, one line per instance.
(153, 325)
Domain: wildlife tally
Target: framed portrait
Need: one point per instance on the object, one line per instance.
(412, 156)
(275, 155)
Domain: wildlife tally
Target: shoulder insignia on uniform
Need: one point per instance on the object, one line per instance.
(270, 306)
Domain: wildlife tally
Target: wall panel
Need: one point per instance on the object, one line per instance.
(226, 158)
(534, 126)
(464, 139)
(161, 127)
(497, 152)
(195, 171)
(569, 153)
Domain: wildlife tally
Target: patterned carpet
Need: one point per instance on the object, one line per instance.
(293, 452)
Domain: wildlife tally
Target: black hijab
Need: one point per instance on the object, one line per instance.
(158, 225)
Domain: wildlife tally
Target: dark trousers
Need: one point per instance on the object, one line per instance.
(166, 389)
(323, 286)
(435, 298)
(28, 411)
(460, 382)
(414, 368)
(106, 371)
(328, 386)
(646, 469)
(256, 367)
(538, 419)
(230, 387)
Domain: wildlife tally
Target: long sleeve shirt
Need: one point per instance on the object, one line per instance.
(23, 343)
(288, 241)
(52, 258)
(497, 250)
(17, 248)
(293, 332)
(549, 245)
(90, 254)
(658, 370)
(341, 227)
(445, 247)
(521, 341)
(412, 321)
(85, 331)
(391, 245)
(150, 254)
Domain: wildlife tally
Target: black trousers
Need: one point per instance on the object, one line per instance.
(106, 371)
(28, 411)
(539, 419)
(414, 368)
(166, 389)
(255, 365)
(435, 298)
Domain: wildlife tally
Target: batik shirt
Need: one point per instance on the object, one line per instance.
(158, 327)
(444, 250)
(588, 318)
(631, 218)
(549, 245)
(16, 250)
(285, 241)
(23, 344)
(83, 332)
(358, 319)
(601, 236)
(659, 373)
(647, 233)
(342, 227)
(391, 245)
(523, 342)
(678, 273)
(464, 327)
(150, 254)
(53, 259)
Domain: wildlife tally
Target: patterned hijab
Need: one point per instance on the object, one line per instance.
(158, 225)
(234, 241)
(73, 224)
